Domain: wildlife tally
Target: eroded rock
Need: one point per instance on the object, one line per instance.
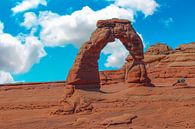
(84, 73)
(74, 101)
(187, 48)
(163, 64)
(117, 120)
(159, 49)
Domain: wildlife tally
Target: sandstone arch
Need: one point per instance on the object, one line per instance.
(84, 72)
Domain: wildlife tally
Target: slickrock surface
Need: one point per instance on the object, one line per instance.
(116, 107)
(163, 64)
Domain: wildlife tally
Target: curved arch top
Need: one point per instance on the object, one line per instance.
(84, 73)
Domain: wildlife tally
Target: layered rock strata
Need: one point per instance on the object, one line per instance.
(84, 73)
(162, 63)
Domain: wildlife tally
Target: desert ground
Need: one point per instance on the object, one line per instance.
(120, 107)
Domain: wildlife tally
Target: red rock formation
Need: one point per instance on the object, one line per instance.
(112, 77)
(72, 102)
(180, 63)
(84, 73)
(187, 48)
(159, 49)
(163, 64)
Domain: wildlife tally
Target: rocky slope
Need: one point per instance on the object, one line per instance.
(163, 65)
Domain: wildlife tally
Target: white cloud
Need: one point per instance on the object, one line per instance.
(5, 77)
(76, 28)
(117, 54)
(148, 7)
(57, 30)
(30, 20)
(17, 55)
(28, 4)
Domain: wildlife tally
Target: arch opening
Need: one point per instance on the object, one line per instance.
(113, 65)
(85, 74)
(113, 56)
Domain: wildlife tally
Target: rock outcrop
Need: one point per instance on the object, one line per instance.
(73, 102)
(159, 49)
(123, 119)
(162, 63)
(84, 73)
(178, 64)
(187, 48)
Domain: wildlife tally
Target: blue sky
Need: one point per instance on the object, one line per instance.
(39, 40)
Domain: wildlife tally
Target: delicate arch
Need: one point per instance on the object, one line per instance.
(84, 72)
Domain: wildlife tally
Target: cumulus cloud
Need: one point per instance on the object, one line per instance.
(148, 7)
(116, 52)
(30, 20)
(28, 4)
(17, 55)
(60, 30)
(75, 29)
(5, 77)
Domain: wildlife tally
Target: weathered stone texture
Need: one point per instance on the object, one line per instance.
(163, 65)
(85, 74)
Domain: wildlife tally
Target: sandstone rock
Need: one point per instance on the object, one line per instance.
(181, 84)
(122, 119)
(84, 72)
(159, 49)
(112, 77)
(187, 48)
(180, 63)
(137, 73)
(73, 102)
(162, 63)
